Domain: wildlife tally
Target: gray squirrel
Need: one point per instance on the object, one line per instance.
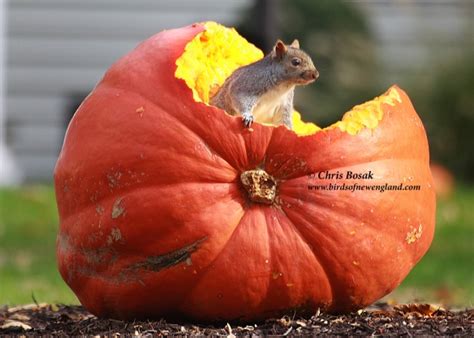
(263, 90)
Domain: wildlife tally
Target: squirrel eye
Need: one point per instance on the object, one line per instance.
(295, 62)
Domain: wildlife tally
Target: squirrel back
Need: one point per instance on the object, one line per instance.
(263, 90)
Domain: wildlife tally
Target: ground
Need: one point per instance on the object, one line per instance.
(380, 319)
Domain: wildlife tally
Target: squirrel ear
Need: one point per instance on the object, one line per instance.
(295, 44)
(280, 49)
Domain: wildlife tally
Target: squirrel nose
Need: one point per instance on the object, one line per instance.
(315, 74)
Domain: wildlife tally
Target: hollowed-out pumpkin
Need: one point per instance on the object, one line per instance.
(170, 207)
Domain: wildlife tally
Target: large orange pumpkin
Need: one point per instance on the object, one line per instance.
(170, 207)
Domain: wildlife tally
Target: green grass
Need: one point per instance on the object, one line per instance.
(28, 225)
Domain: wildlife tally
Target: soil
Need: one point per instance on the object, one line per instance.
(381, 319)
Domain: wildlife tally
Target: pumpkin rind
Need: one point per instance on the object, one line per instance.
(154, 220)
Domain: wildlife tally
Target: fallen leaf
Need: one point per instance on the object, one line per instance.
(420, 309)
(27, 307)
(10, 324)
(301, 323)
(19, 317)
(285, 321)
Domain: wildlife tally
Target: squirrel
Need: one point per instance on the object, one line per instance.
(263, 90)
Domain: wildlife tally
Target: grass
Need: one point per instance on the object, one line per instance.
(28, 225)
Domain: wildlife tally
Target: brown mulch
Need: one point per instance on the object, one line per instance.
(380, 319)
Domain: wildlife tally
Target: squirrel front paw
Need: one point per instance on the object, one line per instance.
(247, 119)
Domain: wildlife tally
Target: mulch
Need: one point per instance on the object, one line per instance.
(381, 319)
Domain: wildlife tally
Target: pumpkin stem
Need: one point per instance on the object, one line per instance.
(260, 186)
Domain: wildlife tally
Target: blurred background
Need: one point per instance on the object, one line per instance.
(52, 52)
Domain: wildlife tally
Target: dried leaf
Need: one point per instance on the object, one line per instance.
(28, 307)
(420, 309)
(11, 324)
(285, 321)
(337, 321)
(19, 317)
(301, 323)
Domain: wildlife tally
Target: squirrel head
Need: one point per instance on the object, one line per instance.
(296, 65)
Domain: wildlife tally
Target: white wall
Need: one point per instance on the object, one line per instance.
(414, 37)
(61, 48)
(9, 171)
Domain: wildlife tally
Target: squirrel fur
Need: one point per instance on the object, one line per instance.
(263, 91)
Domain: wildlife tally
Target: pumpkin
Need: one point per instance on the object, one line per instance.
(169, 207)
(443, 181)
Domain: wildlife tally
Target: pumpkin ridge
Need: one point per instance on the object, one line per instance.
(106, 87)
(312, 171)
(345, 214)
(270, 259)
(275, 172)
(203, 270)
(321, 262)
(325, 265)
(230, 197)
(342, 211)
(129, 190)
(265, 146)
(402, 257)
(163, 109)
(78, 250)
(310, 247)
(204, 141)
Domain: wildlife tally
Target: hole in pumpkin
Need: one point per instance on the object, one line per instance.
(216, 52)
